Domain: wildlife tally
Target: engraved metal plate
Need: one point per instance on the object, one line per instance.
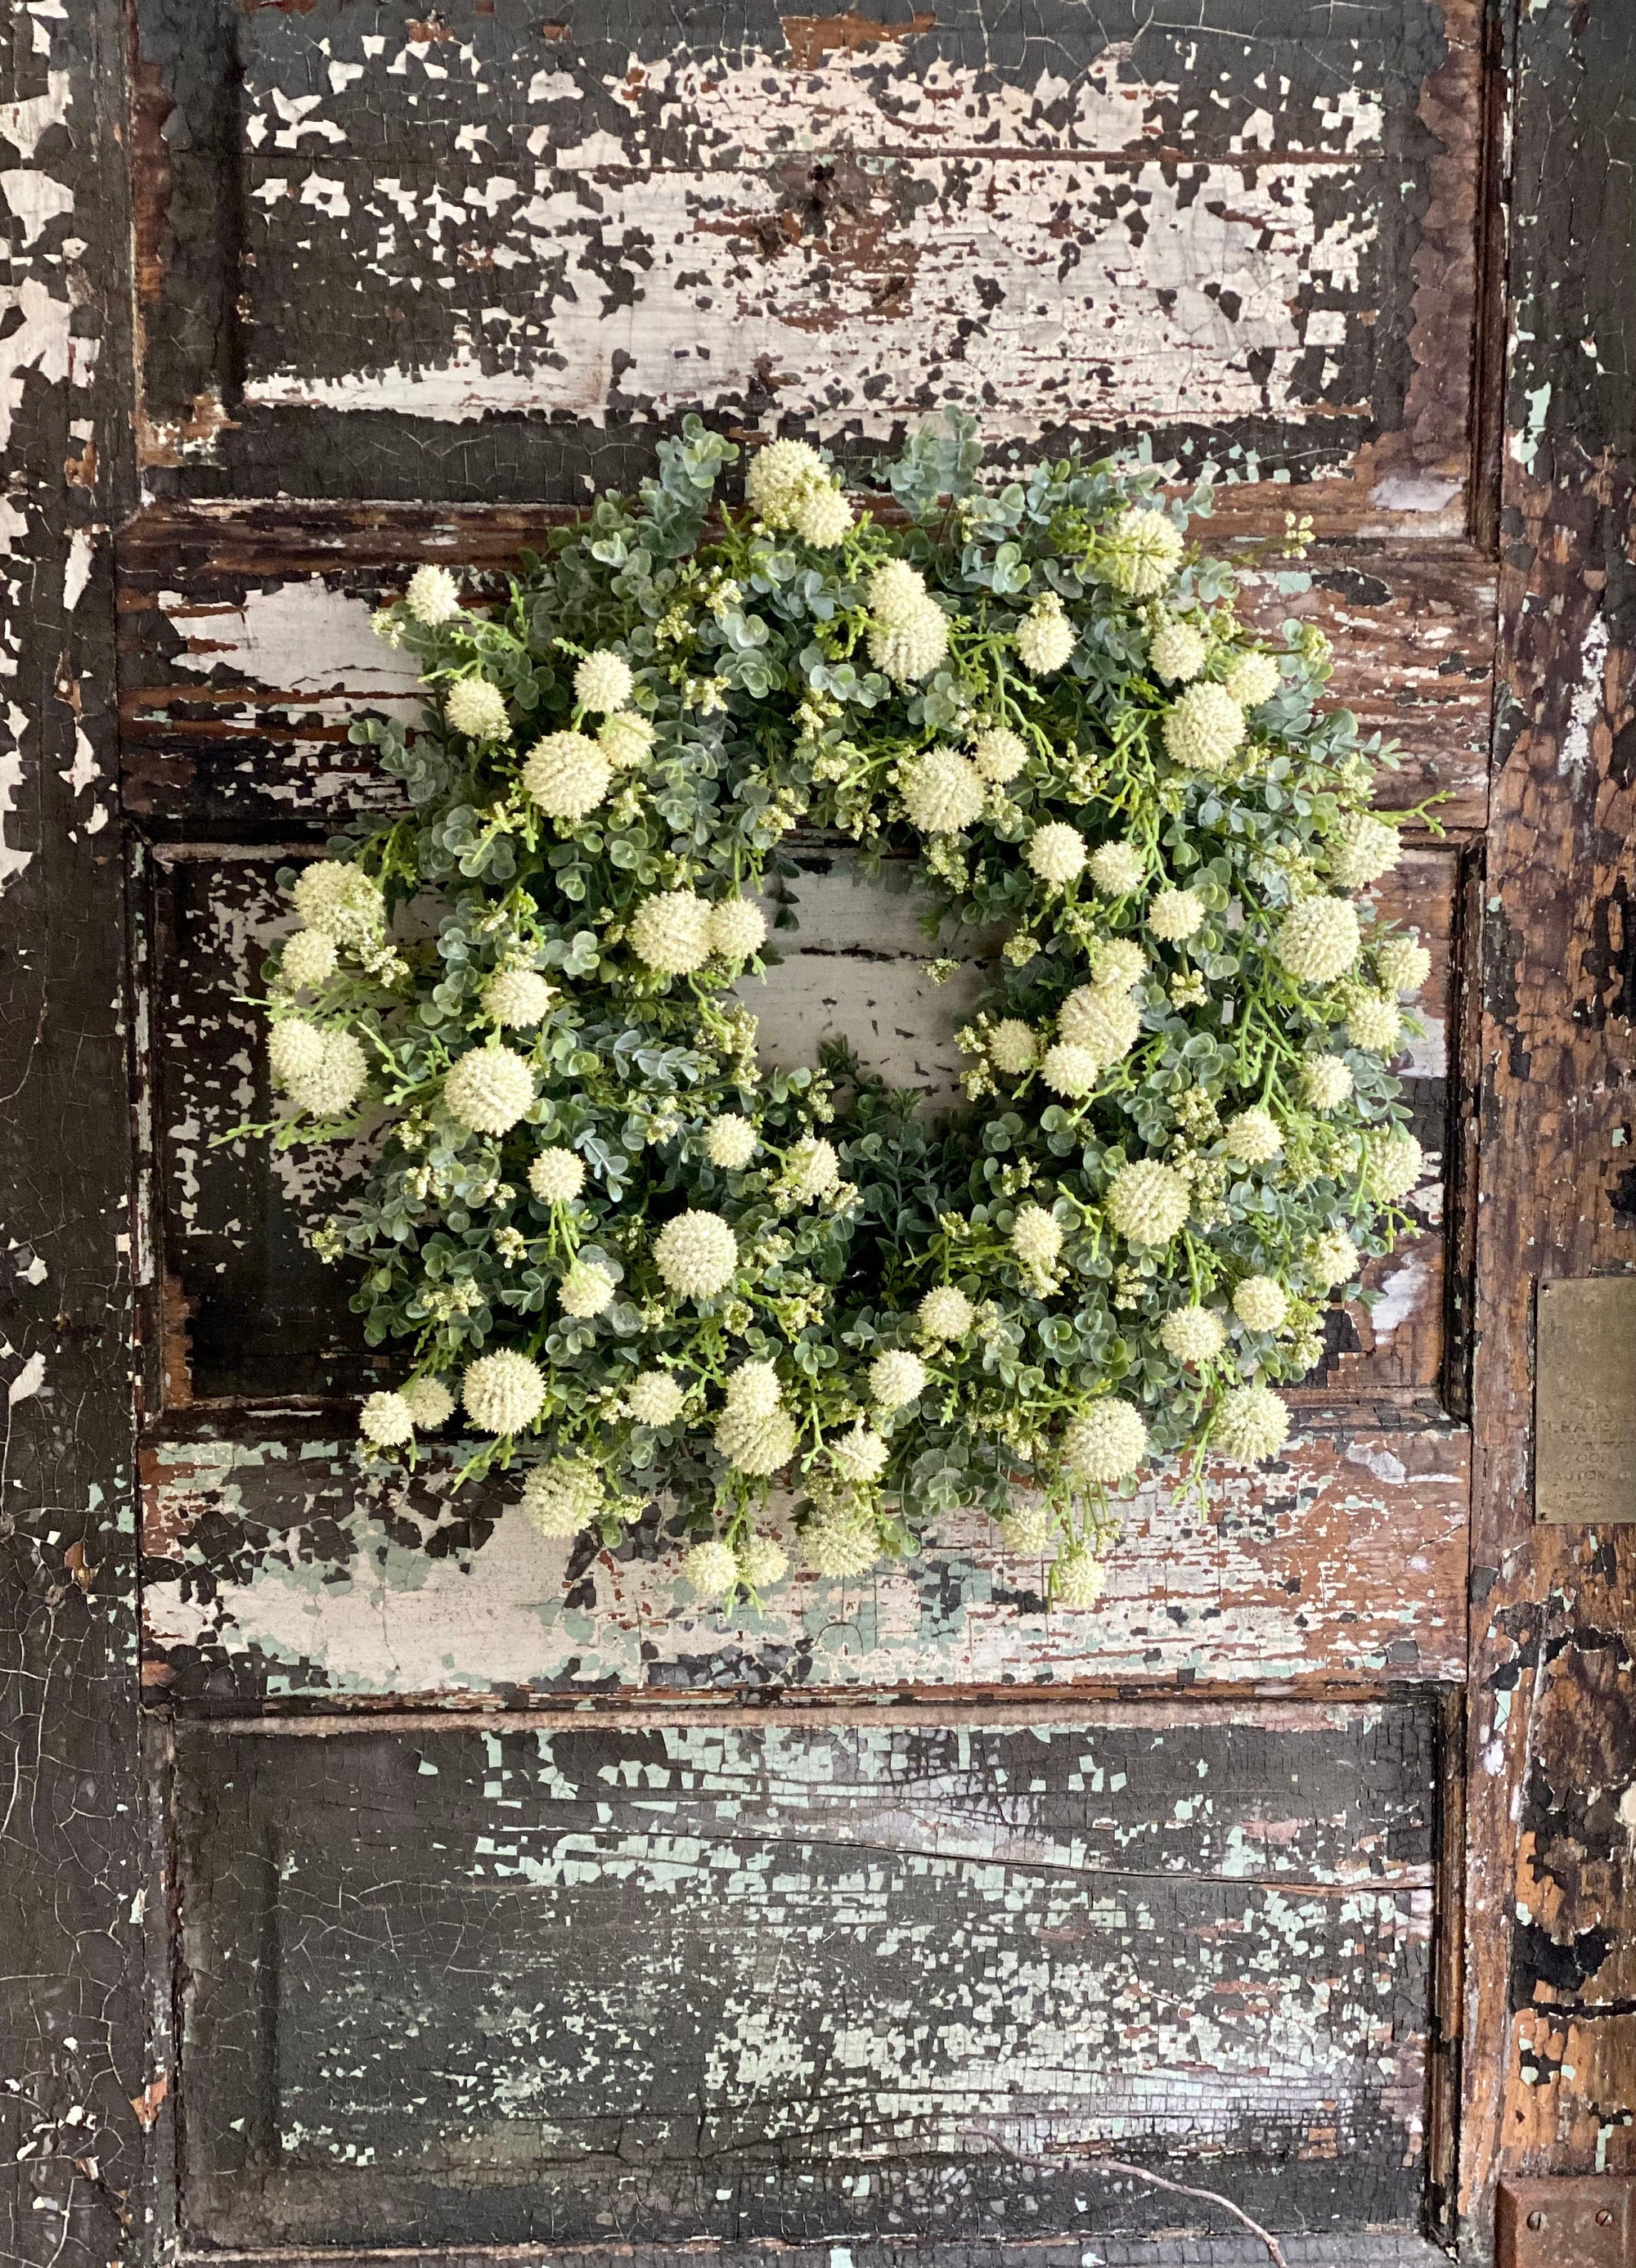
(1585, 1401)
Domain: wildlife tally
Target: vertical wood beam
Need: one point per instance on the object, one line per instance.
(74, 2086)
(1549, 2037)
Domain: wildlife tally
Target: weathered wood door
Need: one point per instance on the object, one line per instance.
(441, 1887)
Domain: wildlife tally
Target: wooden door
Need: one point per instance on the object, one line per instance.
(389, 1878)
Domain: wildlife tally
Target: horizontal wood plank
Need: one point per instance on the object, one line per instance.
(787, 1982)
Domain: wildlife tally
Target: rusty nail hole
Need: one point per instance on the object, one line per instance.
(1537, 2220)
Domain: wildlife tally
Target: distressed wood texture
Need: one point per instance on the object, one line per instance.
(1550, 2029)
(76, 2085)
(741, 1982)
(246, 653)
(475, 252)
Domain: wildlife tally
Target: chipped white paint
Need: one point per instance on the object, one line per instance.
(28, 1381)
(1589, 704)
(298, 637)
(13, 859)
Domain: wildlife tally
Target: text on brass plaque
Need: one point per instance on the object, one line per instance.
(1585, 1401)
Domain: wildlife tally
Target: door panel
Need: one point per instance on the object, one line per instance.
(563, 1985)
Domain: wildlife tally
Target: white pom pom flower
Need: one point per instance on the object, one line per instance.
(1071, 1070)
(696, 1253)
(518, 998)
(907, 629)
(585, 1291)
(754, 1387)
(1148, 1203)
(1402, 964)
(386, 1419)
(755, 1442)
(562, 1498)
(1055, 852)
(340, 901)
(671, 932)
(1375, 1023)
(859, 1456)
(603, 683)
(780, 478)
(567, 774)
(1251, 1425)
(1326, 1081)
(1176, 652)
(712, 1568)
(842, 1547)
(626, 741)
(1117, 869)
(503, 1392)
(294, 1050)
(430, 1404)
(1252, 1137)
(475, 707)
(812, 1169)
(1174, 914)
(1319, 939)
(897, 1377)
(1105, 1443)
(1261, 1303)
(1078, 1577)
(1331, 1259)
(1393, 1163)
(1024, 1529)
(762, 1561)
(307, 960)
(1045, 637)
(737, 928)
(1036, 1237)
(433, 596)
(1014, 1047)
(946, 1313)
(556, 1176)
(1103, 1019)
(323, 1072)
(1367, 848)
(1204, 728)
(1118, 962)
(730, 1142)
(1143, 550)
(488, 1090)
(1253, 679)
(1193, 1334)
(654, 1398)
(999, 754)
(942, 792)
(823, 518)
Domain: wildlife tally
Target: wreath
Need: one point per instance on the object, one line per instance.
(646, 1266)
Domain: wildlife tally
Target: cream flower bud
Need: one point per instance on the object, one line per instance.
(1325, 1082)
(307, 960)
(1078, 1578)
(907, 629)
(1261, 1303)
(946, 1313)
(1036, 1237)
(730, 1142)
(1393, 1163)
(1176, 652)
(1026, 1529)
(1251, 1424)
(603, 683)
(756, 1441)
(503, 1392)
(1118, 962)
(1367, 848)
(294, 1050)
(1144, 551)
(323, 1072)
(1045, 637)
(433, 596)
(626, 740)
(1193, 1334)
(654, 1398)
(562, 1498)
(475, 707)
(587, 1290)
(1331, 1259)
(860, 1456)
(340, 901)
(840, 1547)
(897, 1377)
(1375, 1023)
(566, 775)
(1071, 1070)
(386, 1419)
(518, 998)
(942, 792)
(430, 1404)
(556, 1176)
(1105, 1443)
(737, 928)
(1148, 1203)
(1402, 964)
(1252, 680)
(1253, 1136)
(824, 517)
(488, 1090)
(1117, 869)
(1319, 939)
(1204, 728)
(754, 1388)
(1057, 853)
(812, 1168)
(712, 1568)
(1014, 1047)
(779, 479)
(671, 932)
(1174, 914)
(999, 754)
(1101, 1019)
(696, 1253)
(762, 1561)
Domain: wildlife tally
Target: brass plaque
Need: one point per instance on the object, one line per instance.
(1585, 1401)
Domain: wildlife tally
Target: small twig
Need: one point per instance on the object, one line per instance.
(1275, 2251)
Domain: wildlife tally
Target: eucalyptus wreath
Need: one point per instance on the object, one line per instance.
(645, 1264)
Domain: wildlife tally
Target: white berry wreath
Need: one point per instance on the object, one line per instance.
(649, 1268)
